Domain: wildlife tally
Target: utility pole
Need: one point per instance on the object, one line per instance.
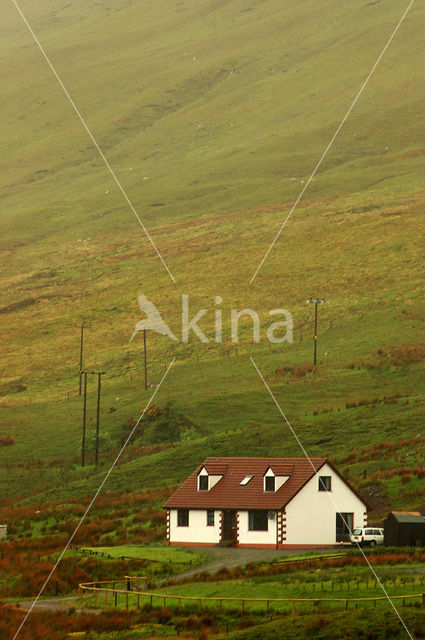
(99, 376)
(315, 301)
(84, 325)
(81, 354)
(146, 364)
(83, 444)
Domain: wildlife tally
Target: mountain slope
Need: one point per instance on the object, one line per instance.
(213, 116)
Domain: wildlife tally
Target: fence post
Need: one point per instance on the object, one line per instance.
(423, 599)
(293, 607)
(200, 605)
(138, 600)
(95, 595)
(268, 607)
(126, 600)
(346, 605)
(243, 606)
(116, 599)
(106, 597)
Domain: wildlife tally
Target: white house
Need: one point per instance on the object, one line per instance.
(264, 502)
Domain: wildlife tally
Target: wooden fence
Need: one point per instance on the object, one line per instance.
(107, 593)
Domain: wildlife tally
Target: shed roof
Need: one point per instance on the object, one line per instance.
(411, 517)
(228, 492)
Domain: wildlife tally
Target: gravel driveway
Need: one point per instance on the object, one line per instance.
(231, 557)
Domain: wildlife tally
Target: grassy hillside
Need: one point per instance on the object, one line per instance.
(213, 116)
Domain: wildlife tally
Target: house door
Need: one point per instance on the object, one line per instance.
(344, 525)
(228, 531)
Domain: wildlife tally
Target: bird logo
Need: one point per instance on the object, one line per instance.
(154, 320)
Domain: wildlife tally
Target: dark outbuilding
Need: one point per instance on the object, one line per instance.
(404, 529)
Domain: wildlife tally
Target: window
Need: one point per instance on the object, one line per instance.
(210, 517)
(182, 517)
(203, 483)
(257, 521)
(324, 483)
(245, 480)
(270, 483)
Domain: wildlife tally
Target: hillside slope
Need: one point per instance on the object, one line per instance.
(213, 115)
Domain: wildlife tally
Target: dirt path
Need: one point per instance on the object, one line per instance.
(55, 604)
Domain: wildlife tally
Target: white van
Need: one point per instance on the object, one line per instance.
(368, 536)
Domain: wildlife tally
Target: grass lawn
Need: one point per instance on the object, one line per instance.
(312, 585)
(155, 554)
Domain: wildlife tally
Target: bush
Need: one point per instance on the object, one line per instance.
(166, 426)
(163, 616)
(105, 442)
(188, 433)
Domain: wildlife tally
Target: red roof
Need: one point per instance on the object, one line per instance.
(229, 494)
(282, 468)
(215, 468)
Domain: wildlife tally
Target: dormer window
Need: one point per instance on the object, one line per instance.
(203, 483)
(269, 483)
(208, 478)
(275, 477)
(245, 480)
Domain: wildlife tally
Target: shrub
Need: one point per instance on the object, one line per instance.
(167, 426)
(163, 616)
(105, 441)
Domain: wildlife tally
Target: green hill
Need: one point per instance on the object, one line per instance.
(213, 116)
